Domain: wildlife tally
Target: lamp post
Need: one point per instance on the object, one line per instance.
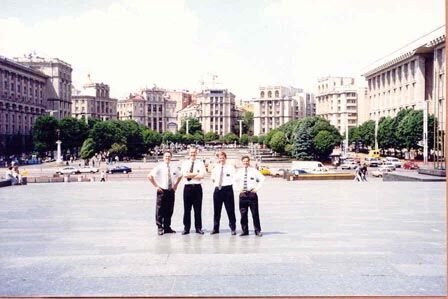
(58, 151)
(241, 127)
(186, 126)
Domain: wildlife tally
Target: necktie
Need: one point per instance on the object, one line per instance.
(221, 176)
(245, 180)
(191, 169)
(170, 182)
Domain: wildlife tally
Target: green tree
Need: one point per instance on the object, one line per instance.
(324, 142)
(73, 132)
(248, 122)
(290, 128)
(193, 126)
(254, 139)
(278, 142)
(230, 138)
(269, 135)
(118, 150)
(133, 135)
(167, 137)
(261, 139)
(88, 149)
(106, 133)
(386, 134)
(44, 133)
(410, 129)
(151, 138)
(188, 139)
(366, 133)
(178, 137)
(303, 148)
(198, 137)
(399, 142)
(211, 136)
(244, 140)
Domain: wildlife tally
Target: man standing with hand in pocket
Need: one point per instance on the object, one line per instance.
(223, 176)
(165, 177)
(248, 182)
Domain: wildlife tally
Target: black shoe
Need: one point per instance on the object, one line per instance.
(169, 230)
(213, 232)
(185, 232)
(259, 234)
(233, 232)
(160, 231)
(199, 231)
(244, 234)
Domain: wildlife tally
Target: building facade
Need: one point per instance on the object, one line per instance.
(412, 79)
(336, 101)
(93, 101)
(276, 106)
(132, 108)
(59, 83)
(22, 99)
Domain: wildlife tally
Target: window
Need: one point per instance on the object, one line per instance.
(269, 94)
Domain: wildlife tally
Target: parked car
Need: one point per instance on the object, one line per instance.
(410, 165)
(372, 162)
(264, 170)
(394, 161)
(119, 169)
(298, 167)
(380, 172)
(67, 170)
(88, 169)
(349, 165)
(387, 166)
(277, 171)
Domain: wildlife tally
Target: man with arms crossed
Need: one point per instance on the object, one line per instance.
(193, 171)
(248, 182)
(223, 176)
(165, 177)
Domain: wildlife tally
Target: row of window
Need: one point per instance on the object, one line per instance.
(394, 77)
(269, 94)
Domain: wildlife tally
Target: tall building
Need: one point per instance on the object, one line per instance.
(93, 101)
(336, 101)
(59, 83)
(411, 78)
(182, 98)
(276, 106)
(22, 99)
(134, 108)
(151, 107)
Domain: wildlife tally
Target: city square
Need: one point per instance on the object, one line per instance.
(320, 238)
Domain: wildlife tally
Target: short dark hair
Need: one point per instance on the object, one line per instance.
(169, 152)
(245, 157)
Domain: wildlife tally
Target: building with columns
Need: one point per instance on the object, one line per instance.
(59, 83)
(93, 101)
(278, 105)
(22, 99)
(133, 108)
(412, 78)
(336, 101)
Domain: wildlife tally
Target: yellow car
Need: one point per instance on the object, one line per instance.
(264, 170)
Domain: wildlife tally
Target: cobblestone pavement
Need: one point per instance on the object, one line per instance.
(320, 238)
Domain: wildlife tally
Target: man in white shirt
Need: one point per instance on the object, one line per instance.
(165, 177)
(248, 181)
(193, 171)
(223, 175)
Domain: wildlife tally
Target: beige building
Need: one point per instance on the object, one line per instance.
(278, 105)
(93, 101)
(59, 84)
(151, 107)
(336, 101)
(412, 78)
(22, 99)
(182, 98)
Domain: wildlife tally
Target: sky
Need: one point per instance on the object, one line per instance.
(172, 44)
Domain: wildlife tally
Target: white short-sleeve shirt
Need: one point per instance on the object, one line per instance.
(198, 168)
(160, 174)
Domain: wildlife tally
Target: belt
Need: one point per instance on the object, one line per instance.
(226, 187)
(192, 185)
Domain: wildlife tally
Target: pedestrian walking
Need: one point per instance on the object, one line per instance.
(358, 174)
(102, 176)
(193, 171)
(165, 177)
(248, 181)
(364, 172)
(223, 176)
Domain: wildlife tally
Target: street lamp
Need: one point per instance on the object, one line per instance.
(58, 151)
(186, 126)
(241, 127)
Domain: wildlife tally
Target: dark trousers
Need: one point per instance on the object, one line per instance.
(164, 208)
(249, 200)
(192, 198)
(224, 196)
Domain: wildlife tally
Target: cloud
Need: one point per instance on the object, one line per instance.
(127, 45)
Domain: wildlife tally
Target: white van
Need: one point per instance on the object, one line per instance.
(298, 167)
(395, 161)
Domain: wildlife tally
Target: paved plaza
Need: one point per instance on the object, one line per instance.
(320, 238)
